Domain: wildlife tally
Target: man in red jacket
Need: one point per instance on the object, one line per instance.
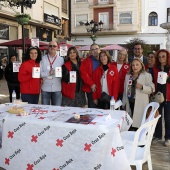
(87, 68)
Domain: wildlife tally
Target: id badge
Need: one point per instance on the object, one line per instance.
(58, 72)
(36, 72)
(72, 76)
(49, 77)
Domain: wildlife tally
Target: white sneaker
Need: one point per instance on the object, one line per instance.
(167, 142)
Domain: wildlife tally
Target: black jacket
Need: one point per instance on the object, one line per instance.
(10, 76)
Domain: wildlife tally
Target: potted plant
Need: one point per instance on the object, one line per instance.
(23, 19)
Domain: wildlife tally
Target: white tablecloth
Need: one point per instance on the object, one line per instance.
(43, 140)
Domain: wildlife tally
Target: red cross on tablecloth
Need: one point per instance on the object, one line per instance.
(99, 115)
(34, 138)
(54, 111)
(41, 118)
(55, 169)
(87, 147)
(10, 134)
(93, 123)
(30, 167)
(113, 152)
(7, 161)
(59, 142)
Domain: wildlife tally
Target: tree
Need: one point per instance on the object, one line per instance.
(130, 44)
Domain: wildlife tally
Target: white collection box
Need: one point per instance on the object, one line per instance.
(58, 72)
(162, 77)
(16, 66)
(36, 72)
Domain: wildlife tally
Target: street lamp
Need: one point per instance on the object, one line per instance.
(93, 27)
(22, 4)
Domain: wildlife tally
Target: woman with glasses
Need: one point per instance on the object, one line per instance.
(122, 67)
(30, 86)
(106, 78)
(72, 95)
(137, 87)
(163, 65)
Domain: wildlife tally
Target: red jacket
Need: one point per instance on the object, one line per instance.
(122, 73)
(28, 85)
(112, 81)
(155, 73)
(68, 89)
(86, 72)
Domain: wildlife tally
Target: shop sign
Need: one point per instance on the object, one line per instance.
(52, 19)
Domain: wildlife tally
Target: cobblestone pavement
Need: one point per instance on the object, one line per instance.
(160, 154)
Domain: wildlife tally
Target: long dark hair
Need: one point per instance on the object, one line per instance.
(77, 54)
(27, 55)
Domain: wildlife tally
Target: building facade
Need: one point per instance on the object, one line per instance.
(123, 20)
(49, 21)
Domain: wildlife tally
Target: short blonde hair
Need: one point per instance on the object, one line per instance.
(126, 58)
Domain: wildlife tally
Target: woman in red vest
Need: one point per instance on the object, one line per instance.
(163, 65)
(123, 68)
(106, 78)
(71, 80)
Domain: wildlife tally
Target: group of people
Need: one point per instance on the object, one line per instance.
(71, 81)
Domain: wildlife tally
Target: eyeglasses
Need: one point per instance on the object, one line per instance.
(137, 48)
(159, 57)
(95, 49)
(52, 46)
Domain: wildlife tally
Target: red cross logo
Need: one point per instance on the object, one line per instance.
(41, 118)
(35, 110)
(93, 123)
(59, 142)
(10, 134)
(87, 147)
(43, 111)
(99, 115)
(30, 167)
(34, 138)
(54, 111)
(7, 161)
(113, 152)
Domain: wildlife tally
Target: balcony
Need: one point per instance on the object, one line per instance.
(103, 3)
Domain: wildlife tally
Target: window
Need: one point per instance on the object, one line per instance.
(125, 18)
(81, 19)
(104, 17)
(64, 6)
(81, 0)
(153, 19)
(103, 1)
(168, 14)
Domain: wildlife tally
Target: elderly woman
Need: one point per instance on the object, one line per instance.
(137, 87)
(122, 67)
(106, 78)
(163, 65)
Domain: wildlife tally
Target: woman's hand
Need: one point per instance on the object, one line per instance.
(95, 102)
(139, 86)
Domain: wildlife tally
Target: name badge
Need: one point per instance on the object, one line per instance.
(36, 72)
(72, 76)
(58, 72)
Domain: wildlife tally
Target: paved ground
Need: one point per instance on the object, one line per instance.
(159, 153)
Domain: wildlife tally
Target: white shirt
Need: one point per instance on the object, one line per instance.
(104, 82)
(119, 66)
(53, 84)
(140, 57)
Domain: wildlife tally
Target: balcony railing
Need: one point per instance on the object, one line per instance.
(102, 2)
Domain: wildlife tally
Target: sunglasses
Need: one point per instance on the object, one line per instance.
(53, 46)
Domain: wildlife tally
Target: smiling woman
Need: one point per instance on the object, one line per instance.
(137, 87)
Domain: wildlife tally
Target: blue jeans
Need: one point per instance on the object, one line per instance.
(90, 100)
(54, 97)
(158, 130)
(30, 98)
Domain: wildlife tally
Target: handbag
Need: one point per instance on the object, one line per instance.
(158, 97)
(105, 98)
